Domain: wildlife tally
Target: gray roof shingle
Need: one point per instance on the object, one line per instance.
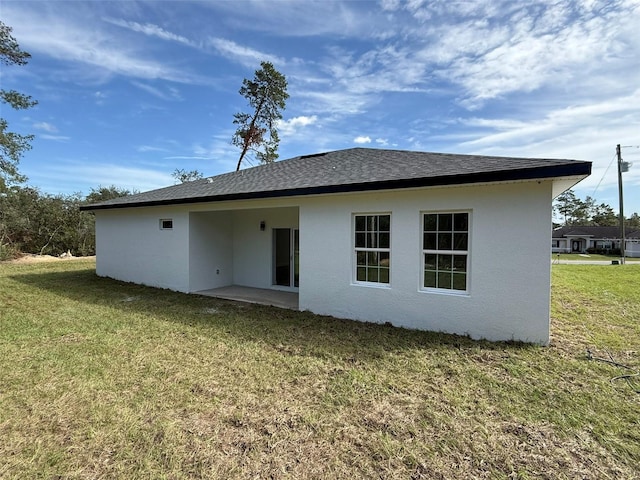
(593, 231)
(355, 169)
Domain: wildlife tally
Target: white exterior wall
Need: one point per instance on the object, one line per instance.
(252, 248)
(210, 246)
(130, 246)
(509, 268)
(509, 273)
(633, 249)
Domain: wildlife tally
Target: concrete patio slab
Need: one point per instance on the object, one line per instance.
(262, 296)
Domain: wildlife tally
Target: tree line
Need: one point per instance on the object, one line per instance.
(36, 222)
(569, 209)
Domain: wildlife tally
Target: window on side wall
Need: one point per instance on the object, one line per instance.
(166, 224)
(445, 251)
(372, 240)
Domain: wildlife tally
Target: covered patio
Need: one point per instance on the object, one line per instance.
(261, 296)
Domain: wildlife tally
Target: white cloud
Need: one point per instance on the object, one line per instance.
(151, 30)
(288, 128)
(149, 148)
(383, 142)
(293, 18)
(56, 138)
(171, 94)
(47, 127)
(244, 55)
(83, 44)
(65, 176)
(362, 139)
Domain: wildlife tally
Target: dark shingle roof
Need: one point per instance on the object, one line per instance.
(593, 231)
(356, 169)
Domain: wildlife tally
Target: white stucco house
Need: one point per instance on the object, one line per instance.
(443, 242)
(589, 238)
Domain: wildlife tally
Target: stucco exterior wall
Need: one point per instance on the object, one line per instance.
(509, 278)
(210, 246)
(633, 249)
(252, 247)
(130, 246)
(221, 244)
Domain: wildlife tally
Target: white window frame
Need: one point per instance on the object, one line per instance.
(162, 223)
(356, 249)
(450, 251)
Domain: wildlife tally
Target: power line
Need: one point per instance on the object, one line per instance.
(603, 175)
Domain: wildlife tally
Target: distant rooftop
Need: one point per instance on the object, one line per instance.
(352, 170)
(593, 231)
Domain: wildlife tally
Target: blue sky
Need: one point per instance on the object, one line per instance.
(130, 91)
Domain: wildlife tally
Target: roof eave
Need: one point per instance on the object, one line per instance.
(580, 169)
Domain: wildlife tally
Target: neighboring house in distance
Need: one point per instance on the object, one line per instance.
(584, 239)
(451, 243)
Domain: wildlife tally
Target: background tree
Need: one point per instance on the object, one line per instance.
(102, 194)
(604, 216)
(12, 145)
(256, 131)
(564, 205)
(572, 210)
(36, 222)
(183, 176)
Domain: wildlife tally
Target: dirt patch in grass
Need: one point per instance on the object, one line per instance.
(33, 258)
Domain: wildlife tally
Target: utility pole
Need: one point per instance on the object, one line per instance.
(622, 240)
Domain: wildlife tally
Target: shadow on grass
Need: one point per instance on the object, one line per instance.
(302, 333)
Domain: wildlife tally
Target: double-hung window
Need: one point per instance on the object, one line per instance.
(372, 240)
(445, 251)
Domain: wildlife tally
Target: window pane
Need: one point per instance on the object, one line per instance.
(385, 223)
(429, 241)
(460, 241)
(372, 223)
(430, 222)
(360, 223)
(430, 261)
(383, 240)
(444, 262)
(361, 258)
(429, 279)
(444, 280)
(384, 259)
(461, 222)
(459, 281)
(372, 258)
(444, 241)
(372, 240)
(360, 240)
(445, 222)
(361, 274)
(460, 263)
(384, 275)
(372, 274)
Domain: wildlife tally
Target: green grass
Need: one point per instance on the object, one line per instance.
(101, 379)
(590, 256)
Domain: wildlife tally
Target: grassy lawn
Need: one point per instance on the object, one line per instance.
(101, 379)
(579, 257)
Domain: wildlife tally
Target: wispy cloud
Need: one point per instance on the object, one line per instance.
(56, 138)
(151, 30)
(81, 43)
(149, 148)
(169, 93)
(56, 177)
(244, 55)
(45, 126)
